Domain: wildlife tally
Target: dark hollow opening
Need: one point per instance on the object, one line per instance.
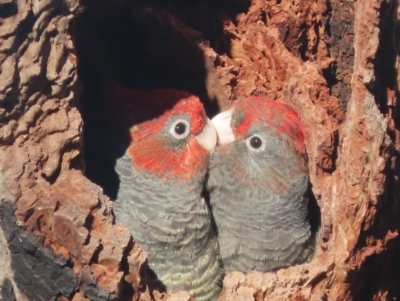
(146, 45)
(143, 45)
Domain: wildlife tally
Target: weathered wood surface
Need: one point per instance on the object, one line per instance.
(335, 62)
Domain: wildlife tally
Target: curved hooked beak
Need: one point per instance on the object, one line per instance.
(208, 136)
(222, 123)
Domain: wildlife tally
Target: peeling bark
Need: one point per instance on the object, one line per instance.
(335, 62)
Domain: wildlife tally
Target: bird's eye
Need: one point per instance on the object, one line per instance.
(180, 129)
(255, 143)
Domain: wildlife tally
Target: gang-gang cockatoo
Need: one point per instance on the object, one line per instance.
(167, 139)
(258, 184)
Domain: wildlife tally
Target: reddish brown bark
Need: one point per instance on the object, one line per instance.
(335, 62)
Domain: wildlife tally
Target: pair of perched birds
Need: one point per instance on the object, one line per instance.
(257, 218)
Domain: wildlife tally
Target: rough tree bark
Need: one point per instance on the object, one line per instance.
(336, 62)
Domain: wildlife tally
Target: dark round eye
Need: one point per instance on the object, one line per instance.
(255, 142)
(180, 128)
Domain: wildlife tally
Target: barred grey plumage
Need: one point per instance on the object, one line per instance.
(167, 140)
(173, 225)
(258, 186)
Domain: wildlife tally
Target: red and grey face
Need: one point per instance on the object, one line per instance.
(260, 140)
(177, 142)
(254, 119)
(178, 123)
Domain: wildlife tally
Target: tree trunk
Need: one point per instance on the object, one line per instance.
(335, 62)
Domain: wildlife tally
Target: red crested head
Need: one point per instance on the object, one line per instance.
(165, 126)
(278, 118)
(264, 143)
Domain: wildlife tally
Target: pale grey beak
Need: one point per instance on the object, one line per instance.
(208, 136)
(222, 123)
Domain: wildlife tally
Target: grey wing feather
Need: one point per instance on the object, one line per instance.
(260, 230)
(174, 229)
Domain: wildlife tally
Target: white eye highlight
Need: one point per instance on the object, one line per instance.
(255, 143)
(180, 129)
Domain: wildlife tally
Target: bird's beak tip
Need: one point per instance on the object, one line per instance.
(208, 136)
(222, 124)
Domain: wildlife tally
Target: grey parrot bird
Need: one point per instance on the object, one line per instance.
(258, 184)
(167, 148)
